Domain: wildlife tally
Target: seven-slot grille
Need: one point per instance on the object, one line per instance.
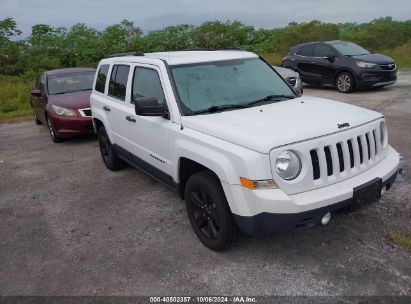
(353, 153)
(85, 112)
(387, 67)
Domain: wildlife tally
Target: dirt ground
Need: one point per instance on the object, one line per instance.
(69, 226)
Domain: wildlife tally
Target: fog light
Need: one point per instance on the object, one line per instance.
(326, 218)
(383, 189)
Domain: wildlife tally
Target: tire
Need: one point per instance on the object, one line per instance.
(36, 120)
(208, 211)
(345, 82)
(108, 154)
(54, 137)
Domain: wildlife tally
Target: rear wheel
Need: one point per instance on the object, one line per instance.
(345, 82)
(109, 155)
(54, 137)
(208, 211)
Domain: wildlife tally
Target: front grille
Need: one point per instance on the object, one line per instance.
(292, 80)
(353, 153)
(85, 112)
(387, 67)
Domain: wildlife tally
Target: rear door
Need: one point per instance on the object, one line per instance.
(118, 108)
(321, 65)
(304, 62)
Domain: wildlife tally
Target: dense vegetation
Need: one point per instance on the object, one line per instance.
(49, 47)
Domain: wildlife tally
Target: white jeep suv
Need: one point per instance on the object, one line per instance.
(231, 137)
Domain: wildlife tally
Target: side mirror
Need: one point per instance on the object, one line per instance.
(35, 93)
(148, 106)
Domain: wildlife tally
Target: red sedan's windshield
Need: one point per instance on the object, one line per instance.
(61, 84)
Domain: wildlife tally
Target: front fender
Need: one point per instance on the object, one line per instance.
(227, 160)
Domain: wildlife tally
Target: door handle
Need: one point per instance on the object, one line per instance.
(105, 108)
(129, 118)
(313, 61)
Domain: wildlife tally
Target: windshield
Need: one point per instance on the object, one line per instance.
(61, 84)
(232, 82)
(349, 49)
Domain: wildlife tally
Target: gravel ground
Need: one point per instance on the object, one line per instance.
(71, 227)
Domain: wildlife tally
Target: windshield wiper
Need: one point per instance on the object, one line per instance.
(214, 109)
(270, 98)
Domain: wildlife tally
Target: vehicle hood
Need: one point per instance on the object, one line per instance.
(265, 127)
(75, 100)
(374, 58)
(284, 72)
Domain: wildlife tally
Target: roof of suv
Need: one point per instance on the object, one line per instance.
(188, 57)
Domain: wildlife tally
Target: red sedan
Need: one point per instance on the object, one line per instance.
(61, 100)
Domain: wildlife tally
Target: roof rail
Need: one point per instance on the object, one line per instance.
(214, 49)
(125, 54)
(199, 49)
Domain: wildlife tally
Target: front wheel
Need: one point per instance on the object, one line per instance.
(54, 137)
(345, 82)
(109, 155)
(208, 211)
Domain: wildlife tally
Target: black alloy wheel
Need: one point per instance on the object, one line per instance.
(208, 211)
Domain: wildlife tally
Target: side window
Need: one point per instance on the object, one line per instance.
(306, 50)
(321, 50)
(101, 78)
(118, 81)
(146, 83)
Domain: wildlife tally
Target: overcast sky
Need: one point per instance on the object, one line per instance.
(155, 14)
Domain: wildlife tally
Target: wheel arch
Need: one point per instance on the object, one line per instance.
(187, 168)
(101, 121)
(345, 69)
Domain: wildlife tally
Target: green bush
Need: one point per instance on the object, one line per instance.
(15, 96)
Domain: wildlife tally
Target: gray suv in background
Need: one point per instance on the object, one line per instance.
(292, 77)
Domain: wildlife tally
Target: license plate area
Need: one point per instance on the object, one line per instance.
(367, 193)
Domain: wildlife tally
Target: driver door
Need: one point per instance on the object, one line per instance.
(148, 135)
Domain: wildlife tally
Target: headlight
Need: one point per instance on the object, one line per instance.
(288, 165)
(63, 111)
(365, 64)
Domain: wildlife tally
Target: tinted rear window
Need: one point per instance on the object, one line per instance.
(118, 81)
(101, 78)
(306, 50)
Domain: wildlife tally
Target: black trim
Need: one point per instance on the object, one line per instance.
(125, 54)
(180, 105)
(147, 168)
(271, 223)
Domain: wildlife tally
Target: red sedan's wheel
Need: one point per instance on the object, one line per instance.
(54, 137)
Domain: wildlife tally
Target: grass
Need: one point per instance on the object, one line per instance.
(401, 240)
(14, 97)
(273, 58)
(401, 55)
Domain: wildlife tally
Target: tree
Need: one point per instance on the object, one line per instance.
(8, 29)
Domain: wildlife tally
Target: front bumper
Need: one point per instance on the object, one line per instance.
(67, 127)
(272, 211)
(376, 79)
